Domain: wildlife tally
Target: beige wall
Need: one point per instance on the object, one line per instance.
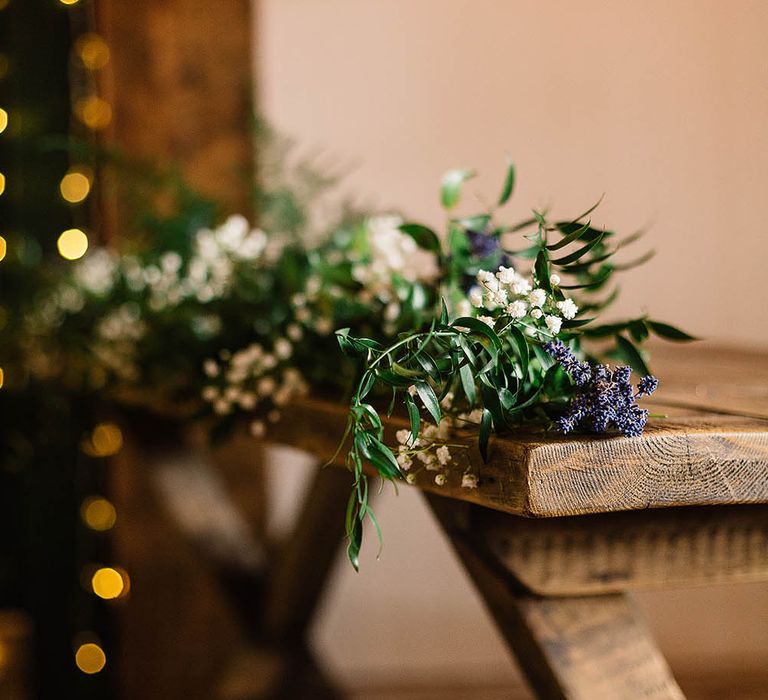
(662, 105)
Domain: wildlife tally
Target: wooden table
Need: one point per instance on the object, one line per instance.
(561, 528)
(559, 532)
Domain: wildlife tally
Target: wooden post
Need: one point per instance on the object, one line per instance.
(180, 85)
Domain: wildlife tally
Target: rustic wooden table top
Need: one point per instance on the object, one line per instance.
(711, 448)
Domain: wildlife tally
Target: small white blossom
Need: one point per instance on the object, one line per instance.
(469, 481)
(554, 323)
(568, 308)
(248, 401)
(487, 320)
(443, 454)
(440, 479)
(520, 286)
(517, 309)
(403, 436)
(405, 462)
(536, 313)
(283, 348)
(258, 428)
(476, 297)
(537, 297)
(412, 390)
(222, 407)
(410, 478)
(210, 393)
(211, 368)
(294, 332)
(554, 279)
(506, 275)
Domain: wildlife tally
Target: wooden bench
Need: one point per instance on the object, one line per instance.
(558, 533)
(561, 528)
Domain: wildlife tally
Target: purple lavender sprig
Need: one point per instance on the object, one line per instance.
(605, 400)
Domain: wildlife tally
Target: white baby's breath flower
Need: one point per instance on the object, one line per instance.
(568, 308)
(517, 309)
(440, 479)
(412, 390)
(404, 462)
(536, 313)
(283, 348)
(554, 279)
(537, 297)
(506, 275)
(403, 436)
(469, 481)
(211, 368)
(258, 428)
(520, 286)
(476, 297)
(210, 393)
(443, 454)
(410, 478)
(222, 407)
(487, 278)
(294, 332)
(323, 326)
(554, 323)
(487, 320)
(266, 386)
(248, 401)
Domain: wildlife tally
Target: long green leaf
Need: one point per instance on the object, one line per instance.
(427, 395)
(631, 355)
(577, 254)
(509, 185)
(574, 235)
(485, 433)
(424, 236)
(668, 332)
(450, 188)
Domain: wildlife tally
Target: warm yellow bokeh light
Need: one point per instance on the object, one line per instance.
(90, 658)
(3, 120)
(93, 51)
(3, 248)
(105, 440)
(72, 244)
(98, 513)
(2, 377)
(69, 2)
(109, 583)
(94, 112)
(75, 186)
(2, 183)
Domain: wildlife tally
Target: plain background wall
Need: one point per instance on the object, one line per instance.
(661, 105)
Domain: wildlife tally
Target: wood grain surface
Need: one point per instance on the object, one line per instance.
(691, 457)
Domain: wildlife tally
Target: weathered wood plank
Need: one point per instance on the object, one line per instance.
(692, 457)
(578, 648)
(613, 552)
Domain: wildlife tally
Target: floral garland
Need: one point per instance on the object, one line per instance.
(473, 331)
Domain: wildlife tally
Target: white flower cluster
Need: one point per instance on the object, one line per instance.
(430, 452)
(116, 337)
(515, 295)
(391, 253)
(253, 379)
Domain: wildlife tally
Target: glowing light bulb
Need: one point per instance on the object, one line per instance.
(94, 112)
(93, 51)
(90, 658)
(75, 186)
(98, 513)
(72, 244)
(105, 440)
(109, 583)
(3, 120)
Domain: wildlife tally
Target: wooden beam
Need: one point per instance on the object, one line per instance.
(578, 648)
(612, 552)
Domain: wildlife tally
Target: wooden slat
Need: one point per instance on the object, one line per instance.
(579, 648)
(692, 457)
(613, 552)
